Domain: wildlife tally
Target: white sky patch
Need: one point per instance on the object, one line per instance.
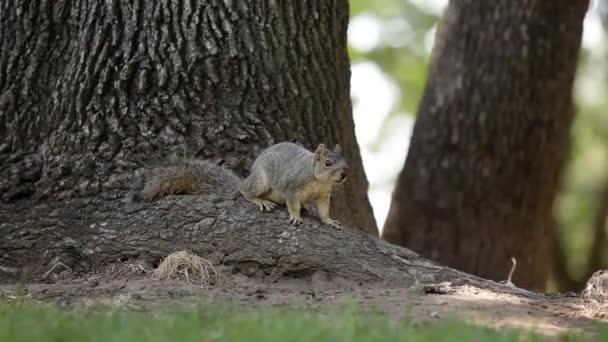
(429, 40)
(374, 94)
(382, 167)
(593, 32)
(431, 6)
(364, 32)
(397, 33)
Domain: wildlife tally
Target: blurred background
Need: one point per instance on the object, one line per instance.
(390, 43)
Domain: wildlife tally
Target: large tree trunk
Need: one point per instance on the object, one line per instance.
(89, 90)
(490, 138)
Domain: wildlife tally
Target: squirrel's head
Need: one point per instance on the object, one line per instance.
(330, 164)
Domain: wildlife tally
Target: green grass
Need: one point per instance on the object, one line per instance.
(20, 321)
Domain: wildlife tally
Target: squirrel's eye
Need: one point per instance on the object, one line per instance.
(328, 162)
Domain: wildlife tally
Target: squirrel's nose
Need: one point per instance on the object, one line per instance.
(343, 173)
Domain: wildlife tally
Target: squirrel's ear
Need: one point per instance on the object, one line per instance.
(320, 152)
(338, 149)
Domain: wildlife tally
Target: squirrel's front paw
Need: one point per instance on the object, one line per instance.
(295, 220)
(334, 224)
(266, 205)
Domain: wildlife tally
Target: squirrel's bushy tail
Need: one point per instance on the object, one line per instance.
(187, 176)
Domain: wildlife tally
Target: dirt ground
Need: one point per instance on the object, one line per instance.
(136, 290)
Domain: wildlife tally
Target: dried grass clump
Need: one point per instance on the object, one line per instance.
(184, 265)
(595, 310)
(595, 295)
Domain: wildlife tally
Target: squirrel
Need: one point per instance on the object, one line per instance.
(284, 173)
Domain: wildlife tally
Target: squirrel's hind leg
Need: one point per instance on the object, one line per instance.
(254, 187)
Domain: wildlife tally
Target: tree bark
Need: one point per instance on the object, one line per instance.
(89, 234)
(491, 138)
(89, 90)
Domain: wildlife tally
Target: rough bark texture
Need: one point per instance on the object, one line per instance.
(490, 138)
(90, 89)
(88, 234)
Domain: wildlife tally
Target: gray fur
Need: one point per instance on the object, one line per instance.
(288, 167)
(214, 174)
(288, 173)
(187, 176)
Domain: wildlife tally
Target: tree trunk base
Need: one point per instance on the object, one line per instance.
(88, 234)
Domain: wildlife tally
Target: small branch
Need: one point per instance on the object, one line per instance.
(509, 279)
(67, 268)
